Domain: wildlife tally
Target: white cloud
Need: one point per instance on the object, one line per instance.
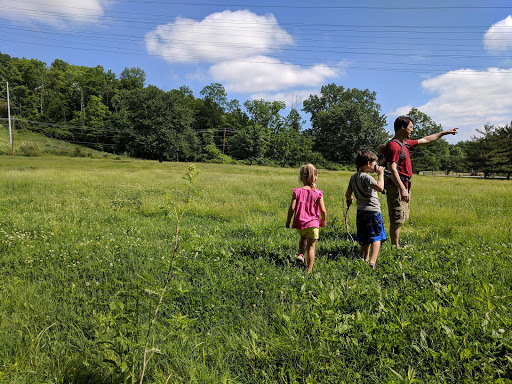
(266, 74)
(54, 12)
(401, 111)
(499, 36)
(291, 98)
(468, 99)
(225, 35)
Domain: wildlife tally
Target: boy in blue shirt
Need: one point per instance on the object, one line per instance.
(370, 227)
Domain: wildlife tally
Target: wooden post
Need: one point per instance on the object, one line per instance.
(223, 145)
(9, 113)
(12, 138)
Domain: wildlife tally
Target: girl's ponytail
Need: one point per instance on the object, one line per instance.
(307, 174)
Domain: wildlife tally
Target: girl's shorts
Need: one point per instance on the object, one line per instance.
(310, 233)
(370, 227)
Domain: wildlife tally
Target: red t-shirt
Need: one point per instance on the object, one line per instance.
(392, 153)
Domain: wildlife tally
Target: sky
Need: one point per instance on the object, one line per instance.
(451, 59)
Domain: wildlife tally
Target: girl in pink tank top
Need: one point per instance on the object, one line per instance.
(308, 211)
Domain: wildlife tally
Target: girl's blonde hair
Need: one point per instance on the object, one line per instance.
(307, 174)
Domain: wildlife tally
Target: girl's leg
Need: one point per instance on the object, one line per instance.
(302, 247)
(375, 252)
(365, 252)
(310, 258)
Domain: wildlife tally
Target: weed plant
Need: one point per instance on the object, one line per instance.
(85, 246)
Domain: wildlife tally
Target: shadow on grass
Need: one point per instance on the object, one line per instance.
(280, 257)
(284, 256)
(347, 250)
(87, 375)
(244, 232)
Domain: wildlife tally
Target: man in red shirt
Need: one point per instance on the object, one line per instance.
(398, 160)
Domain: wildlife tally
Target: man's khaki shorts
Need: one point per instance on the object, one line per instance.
(398, 209)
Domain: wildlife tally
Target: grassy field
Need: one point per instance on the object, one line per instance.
(85, 246)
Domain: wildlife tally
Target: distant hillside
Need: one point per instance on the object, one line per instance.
(28, 143)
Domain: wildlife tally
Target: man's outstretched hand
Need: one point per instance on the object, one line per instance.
(452, 131)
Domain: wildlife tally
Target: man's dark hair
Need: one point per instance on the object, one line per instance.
(402, 122)
(365, 157)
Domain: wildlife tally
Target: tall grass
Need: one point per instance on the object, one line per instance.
(31, 144)
(85, 246)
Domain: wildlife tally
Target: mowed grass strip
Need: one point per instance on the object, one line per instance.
(85, 245)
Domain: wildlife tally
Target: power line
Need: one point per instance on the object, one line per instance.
(56, 136)
(247, 24)
(368, 51)
(272, 28)
(280, 47)
(364, 28)
(92, 129)
(372, 51)
(131, 37)
(317, 6)
(137, 17)
(253, 61)
(383, 31)
(277, 48)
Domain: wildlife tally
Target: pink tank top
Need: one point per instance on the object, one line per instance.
(306, 208)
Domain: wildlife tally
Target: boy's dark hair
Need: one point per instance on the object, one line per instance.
(365, 157)
(402, 122)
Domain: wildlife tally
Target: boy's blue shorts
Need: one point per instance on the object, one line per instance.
(370, 227)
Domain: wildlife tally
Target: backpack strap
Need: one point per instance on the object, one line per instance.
(402, 145)
(401, 158)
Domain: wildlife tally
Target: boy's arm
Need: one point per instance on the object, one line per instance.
(379, 187)
(436, 136)
(323, 212)
(291, 210)
(349, 198)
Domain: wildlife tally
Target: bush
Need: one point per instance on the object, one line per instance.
(211, 154)
(28, 149)
(77, 152)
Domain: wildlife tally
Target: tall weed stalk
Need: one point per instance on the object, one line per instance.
(191, 194)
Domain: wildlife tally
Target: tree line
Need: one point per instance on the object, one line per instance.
(123, 115)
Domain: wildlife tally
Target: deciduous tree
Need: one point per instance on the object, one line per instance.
(432, 156)
(266, 113)
(345, 121)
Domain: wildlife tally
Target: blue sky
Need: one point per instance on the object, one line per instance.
(451, 59)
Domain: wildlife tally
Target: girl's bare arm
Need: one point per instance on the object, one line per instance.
(291, 210)
(323, 212)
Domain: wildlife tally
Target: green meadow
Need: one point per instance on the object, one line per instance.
(86, 246)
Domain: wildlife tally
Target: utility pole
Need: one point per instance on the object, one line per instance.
(223, 145)
(12, 140)
(9, 113)
(81, 106)
(76, 85)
